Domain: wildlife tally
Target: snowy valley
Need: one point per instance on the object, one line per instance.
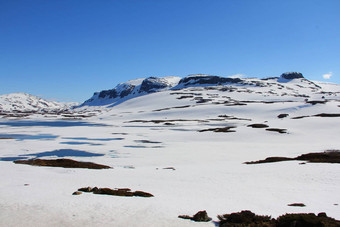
(184, 140)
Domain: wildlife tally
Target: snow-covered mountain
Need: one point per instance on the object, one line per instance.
(289, 85)
(131, 89)
(22, 102)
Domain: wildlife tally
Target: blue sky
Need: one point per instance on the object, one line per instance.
(68, 49)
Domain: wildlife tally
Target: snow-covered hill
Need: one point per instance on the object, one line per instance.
(289, 86)
(131, 89)
(26, 103)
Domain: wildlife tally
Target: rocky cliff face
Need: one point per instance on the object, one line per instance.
(206, 80)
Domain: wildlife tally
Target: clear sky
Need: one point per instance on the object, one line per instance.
(68, 49)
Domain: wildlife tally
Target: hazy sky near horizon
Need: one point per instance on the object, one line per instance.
(67, 49)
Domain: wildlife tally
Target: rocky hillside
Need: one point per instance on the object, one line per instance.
(131, 89)
(287, 86)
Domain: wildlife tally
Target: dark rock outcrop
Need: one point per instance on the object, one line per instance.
(329, 156)
(306, 220)
(63, 162)
(296, 205)
(258, 126)
(126, 192)
(282, 115)
(207, 79)
(108, 93)
(291, 75)
(127, 91)
(279, 130)
(249, 219)
(224, 129)
(244, 218)
(130, 89)
(200, 216)
(152, 84)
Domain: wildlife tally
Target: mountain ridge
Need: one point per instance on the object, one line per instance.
(132, 89)
(288, 86)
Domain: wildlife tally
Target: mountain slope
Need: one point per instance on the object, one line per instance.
(131, 89)
(22, 102)
(289, 86)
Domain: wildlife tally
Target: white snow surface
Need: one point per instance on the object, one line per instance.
(209, 171)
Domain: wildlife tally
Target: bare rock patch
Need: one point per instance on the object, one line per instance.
(126, 192)
(223, 129)
(200, 216)
(63, 162)
(258, 126)
(328, 156)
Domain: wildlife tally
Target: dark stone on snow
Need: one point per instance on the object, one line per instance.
(258, 126)
(279, 130)
(282, 115)
(126, 192)
(224, 129)
(329, 156)
(327, 115)
(314, 102)
(296, 205)
(86, 189)
(142, 194)
(270, 159)
(200, 216)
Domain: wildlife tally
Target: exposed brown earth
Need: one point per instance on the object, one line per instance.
(126, 192)
(200, 216)
(329, 156)
(65, 163)
(247, 218)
